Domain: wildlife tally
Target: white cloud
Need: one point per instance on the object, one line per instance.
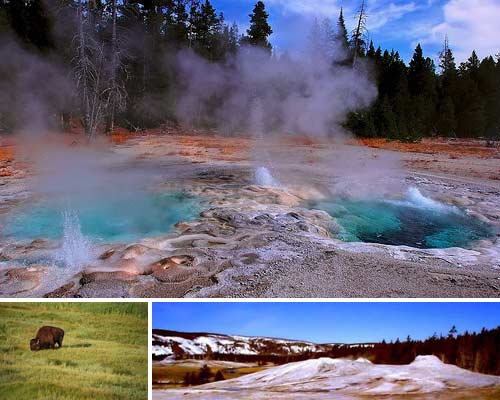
(379, 11)
(388, 12)
(469, 24)
(323, 8)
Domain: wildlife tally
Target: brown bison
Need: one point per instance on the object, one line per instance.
(46, 338)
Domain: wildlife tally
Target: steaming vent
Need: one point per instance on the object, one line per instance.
(263, 177)
(75, 251)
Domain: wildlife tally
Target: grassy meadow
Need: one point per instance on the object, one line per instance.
(104, 353)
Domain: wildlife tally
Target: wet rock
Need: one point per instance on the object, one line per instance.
(134, 251)
(91, 277)
(177, 268)
(107, 254)
(38, 244)
(67, 290)
(19, 280)
(183, 260)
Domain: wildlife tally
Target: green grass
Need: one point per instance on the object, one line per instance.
(104, 353)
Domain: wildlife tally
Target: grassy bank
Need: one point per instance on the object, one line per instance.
(104, 353)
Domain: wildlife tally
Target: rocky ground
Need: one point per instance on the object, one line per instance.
(255, 241)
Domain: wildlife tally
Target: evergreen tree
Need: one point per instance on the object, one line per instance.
(371, 50)
(206, 26)
(342, 35)
(204, 374)
(219, 376)
(447, 60)
(470, 109)
(233, 38)
(260, 30)
(423, 89)
(471, 66)
(446, 122)
(489, 87)
(452, 332)
(31, 23)
(178, 27)
(470, 105)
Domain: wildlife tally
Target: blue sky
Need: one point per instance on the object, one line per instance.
(327, 322)
(398, 24)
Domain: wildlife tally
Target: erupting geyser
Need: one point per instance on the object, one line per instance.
(263, 177)
(78, 223)
(75, 250)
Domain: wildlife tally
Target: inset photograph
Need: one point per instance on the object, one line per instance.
(342, 351)
(73, 351)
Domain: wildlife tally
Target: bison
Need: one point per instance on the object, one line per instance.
(46, 338)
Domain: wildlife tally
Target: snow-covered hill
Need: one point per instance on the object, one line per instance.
(341, 379)
(181, 345)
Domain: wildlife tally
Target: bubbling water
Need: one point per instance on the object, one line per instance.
(126, 217)
(263, 177)
(76, 249)
(415, 220)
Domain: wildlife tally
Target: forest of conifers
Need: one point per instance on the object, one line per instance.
(115, 56)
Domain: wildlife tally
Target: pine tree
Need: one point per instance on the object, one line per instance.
(29, 20)
(447, 61)
(471, 66)
(178, 27)
(470, 105)
(204, 374)
(260, 30)
(233, 38)
(489, 87)
(446, 122)
(423, 89)
(206, 27)
(371, 50)
(219, 376)
(342, 35)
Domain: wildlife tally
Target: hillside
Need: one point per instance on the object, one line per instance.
(181, 345)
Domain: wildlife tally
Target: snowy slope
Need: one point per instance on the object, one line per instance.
(342, 378)
(180, 345)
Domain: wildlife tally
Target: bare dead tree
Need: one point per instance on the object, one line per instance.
(359, 32)
(117, 92)
(88, 70)
(99, 92)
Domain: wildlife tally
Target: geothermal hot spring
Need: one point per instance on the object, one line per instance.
(80, 222)
(414, 220)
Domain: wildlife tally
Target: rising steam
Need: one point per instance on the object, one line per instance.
(254, 93)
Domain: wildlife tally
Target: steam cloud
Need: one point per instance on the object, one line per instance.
(257, 93)
(31, 89)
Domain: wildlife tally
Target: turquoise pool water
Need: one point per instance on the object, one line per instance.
(126, 216)
(411, 222)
